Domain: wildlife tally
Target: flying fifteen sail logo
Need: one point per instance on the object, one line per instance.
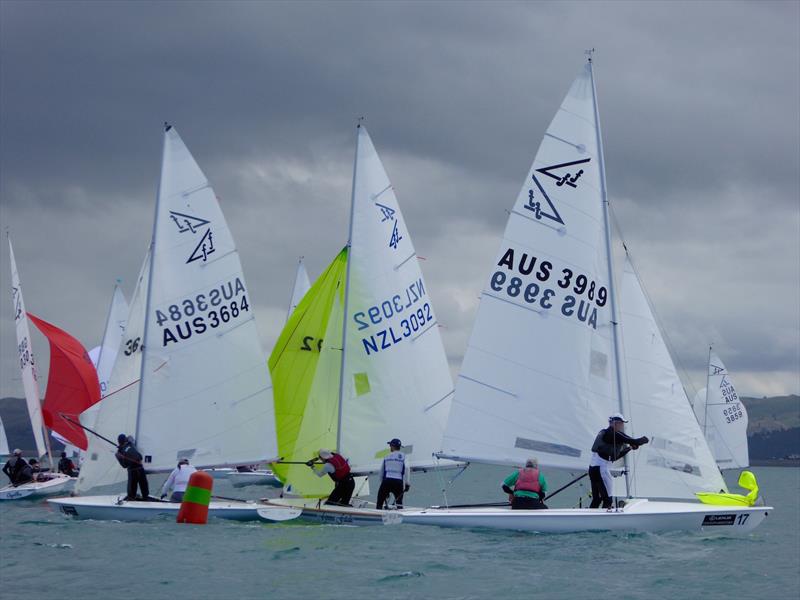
(387, 214)
(189, 224)
(17, 303)
(539, 202)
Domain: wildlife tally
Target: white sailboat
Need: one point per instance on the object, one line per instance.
(4, 450)
(723, 416)
(360, 360)
(189, 380)
(545, 366)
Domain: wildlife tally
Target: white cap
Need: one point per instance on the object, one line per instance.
(617, 417)
(324, 454)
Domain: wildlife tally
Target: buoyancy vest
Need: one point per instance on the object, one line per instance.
(341, 468)
(528, 481)
(606, 449)
(394, 466)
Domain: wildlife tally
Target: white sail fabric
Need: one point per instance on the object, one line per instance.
(117, 410)
(205, 392)
(677, 462)
(396, 380)
(538, 377)
(26, 361)
(4, 449)
(723, 417)
(301, 285)
(112, 338)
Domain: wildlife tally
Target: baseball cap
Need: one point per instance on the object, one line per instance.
(617, 417)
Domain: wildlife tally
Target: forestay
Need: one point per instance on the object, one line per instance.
(26, 360)
(396, 380)
(723, 417)
(301, 286)
(538, 376)
(677, 462)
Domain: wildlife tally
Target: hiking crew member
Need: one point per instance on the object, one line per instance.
(178, 480)
(527, 487)
(610, 445)
(129, 458)
(66, 466)
(17, 469)
(337, 467)
(394, 476)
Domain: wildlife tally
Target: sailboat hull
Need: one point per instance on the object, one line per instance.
(111, 508)
(36, 489)
(636, 516)
(254, 478)
(315, 512)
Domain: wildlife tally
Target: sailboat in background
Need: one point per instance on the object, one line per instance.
(301, 286)
(723, 416)
(31, 386)
(4, 449)
(546, 364)
(189, 380)
(360, 360)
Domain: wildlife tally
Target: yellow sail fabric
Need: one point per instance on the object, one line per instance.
(747, 481)
(305, 366)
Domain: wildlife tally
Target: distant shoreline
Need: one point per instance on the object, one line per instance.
(776, 462)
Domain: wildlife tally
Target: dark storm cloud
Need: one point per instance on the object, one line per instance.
(698, 105)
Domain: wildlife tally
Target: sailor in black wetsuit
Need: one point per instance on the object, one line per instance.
(17, 469)
(131, 459)
(66, 466)
(610, 445)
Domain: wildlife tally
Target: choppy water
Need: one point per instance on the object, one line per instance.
(45, 555)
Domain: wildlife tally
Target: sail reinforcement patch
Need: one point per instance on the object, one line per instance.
(546, 447)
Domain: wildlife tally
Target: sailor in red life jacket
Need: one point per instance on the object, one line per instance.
(527, 487)
(336, 466)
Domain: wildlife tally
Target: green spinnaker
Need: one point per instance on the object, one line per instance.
(305, 366)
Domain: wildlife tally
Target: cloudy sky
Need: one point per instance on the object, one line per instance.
(699, 105)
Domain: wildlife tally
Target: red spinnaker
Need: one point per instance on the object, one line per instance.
(72, 384)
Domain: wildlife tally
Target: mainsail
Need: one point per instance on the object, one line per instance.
(203, 391)
(723, 417)
(72, 385)
(26, 361)
(301, 286)
(538, 376)
(677, 462)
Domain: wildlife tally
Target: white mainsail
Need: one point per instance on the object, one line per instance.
(723, 417)
(26, 361)
(677, 462)
(117, 411)
(395, 377)
(301, 286)
(538, 376)
(203, 392)
(4, 450)
(112, 338)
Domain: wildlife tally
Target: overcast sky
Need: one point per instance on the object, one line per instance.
(699, 107)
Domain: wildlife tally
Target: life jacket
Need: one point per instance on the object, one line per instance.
(394, 466)
(528, 481)
(342, 469)
(606, 449)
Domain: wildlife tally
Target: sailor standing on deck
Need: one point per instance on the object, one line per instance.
(130, 459)
(610, 445)
(395, 476)
(336, 466)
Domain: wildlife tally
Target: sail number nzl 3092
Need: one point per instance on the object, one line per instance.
(222, 304)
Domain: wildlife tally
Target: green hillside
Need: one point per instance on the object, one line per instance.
(778, 413)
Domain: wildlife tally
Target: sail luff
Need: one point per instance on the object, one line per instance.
(618, 355)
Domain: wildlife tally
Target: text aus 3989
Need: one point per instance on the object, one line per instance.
(202, 312)
(543, 287)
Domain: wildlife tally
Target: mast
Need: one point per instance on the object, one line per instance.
(708, 381)
(615, 322)
(145, 338)
(347, 292)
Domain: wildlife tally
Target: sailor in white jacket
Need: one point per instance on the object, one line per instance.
(178, 480)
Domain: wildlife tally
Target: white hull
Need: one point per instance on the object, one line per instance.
(37, 489)
(636, 516)
(112, 508)
(254, 478)
(223, 473)
(315, 512)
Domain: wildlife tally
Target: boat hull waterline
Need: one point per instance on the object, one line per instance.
(636, 516)
(35, 489)
(112, 508)
(327, 514)
(254, 478)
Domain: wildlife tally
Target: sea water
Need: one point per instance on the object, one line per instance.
(44, 554)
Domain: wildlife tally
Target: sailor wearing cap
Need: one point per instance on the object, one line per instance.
(395, 475)
(610, 445)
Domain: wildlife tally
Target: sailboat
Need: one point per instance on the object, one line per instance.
(552, 356)
(189, 380)
(4, 450)
(241, 478)
(723, 416)
(30, 384)
(360, 360)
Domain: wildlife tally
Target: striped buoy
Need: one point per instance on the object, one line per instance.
(194, 507)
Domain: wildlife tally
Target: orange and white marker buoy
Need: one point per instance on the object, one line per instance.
(196, 498)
